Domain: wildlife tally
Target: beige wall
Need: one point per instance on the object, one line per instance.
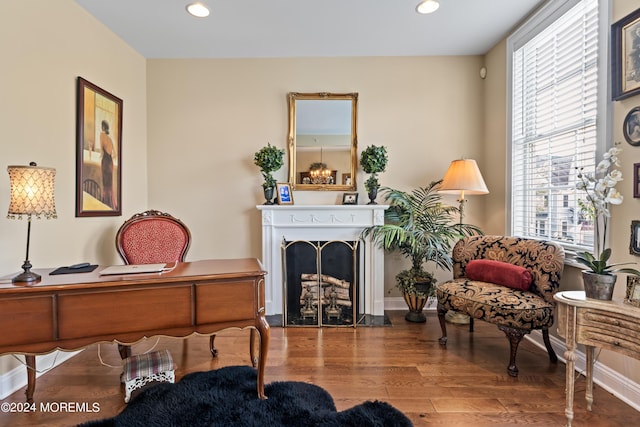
(207, 117)
(45, 46)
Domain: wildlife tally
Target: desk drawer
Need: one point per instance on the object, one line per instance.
(116, 312)
(609, 330)
(26, 320)
(226, 301)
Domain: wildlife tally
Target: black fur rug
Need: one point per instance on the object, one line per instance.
(228, 397)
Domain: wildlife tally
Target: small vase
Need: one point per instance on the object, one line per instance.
(268, 195)
(373, 193)
(599, 286)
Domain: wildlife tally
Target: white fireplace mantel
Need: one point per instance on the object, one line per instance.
(322, 223)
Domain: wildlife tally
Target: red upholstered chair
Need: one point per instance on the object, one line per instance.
(153, 237)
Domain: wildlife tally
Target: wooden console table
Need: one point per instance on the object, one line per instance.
(611, 325)
(72, 311)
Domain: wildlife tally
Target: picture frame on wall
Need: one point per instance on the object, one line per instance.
(625, 56)
(285, 196)
(631, 126)
(634, 240)
(632, 295)
(98, 151)
(636, 180)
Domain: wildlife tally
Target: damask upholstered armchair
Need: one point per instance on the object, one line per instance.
(508, 281)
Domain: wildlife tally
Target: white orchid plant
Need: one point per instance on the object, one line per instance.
(601, 191)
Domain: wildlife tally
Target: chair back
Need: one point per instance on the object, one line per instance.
(544, 259)
(152, 237)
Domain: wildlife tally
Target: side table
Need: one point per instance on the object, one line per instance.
(610, 325)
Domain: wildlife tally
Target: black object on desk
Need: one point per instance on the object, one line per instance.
(77, 268)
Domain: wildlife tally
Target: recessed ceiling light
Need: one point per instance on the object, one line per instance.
(427, 6)
(198, 10)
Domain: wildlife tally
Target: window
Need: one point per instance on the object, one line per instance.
(557, 123)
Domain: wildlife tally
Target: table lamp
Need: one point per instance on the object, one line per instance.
(31, 195)
(464, 178)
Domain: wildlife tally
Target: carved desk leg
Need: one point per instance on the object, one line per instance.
(31, 376)
(264, 332)
(570, 356)
(590, 360)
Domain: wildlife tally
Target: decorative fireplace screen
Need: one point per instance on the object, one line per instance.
(320, 283)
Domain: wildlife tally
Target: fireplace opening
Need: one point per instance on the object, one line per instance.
(321, 283)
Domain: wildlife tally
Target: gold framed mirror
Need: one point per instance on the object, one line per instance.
(323, 141)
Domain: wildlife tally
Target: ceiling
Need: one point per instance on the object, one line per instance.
(309, 28)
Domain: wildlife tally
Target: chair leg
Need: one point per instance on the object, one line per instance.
(443, 324)
(212, 348)
(124, 350)
(547, 343)
(514, 336)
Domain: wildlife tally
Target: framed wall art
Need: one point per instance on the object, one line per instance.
(285, 197)
(634, 241)
(631, 126)
(632, 295)
(625, 56)
(98, 151)
(636, 180)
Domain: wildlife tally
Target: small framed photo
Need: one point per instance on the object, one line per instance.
(625, 60)
(346, 179)
(631, 126)
(633, 291)
(350, 198)
(285, 196)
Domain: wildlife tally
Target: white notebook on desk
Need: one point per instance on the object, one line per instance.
(132, 269)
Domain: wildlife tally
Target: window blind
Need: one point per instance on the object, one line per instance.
(554, 125)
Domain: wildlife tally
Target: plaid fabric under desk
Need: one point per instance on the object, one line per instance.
(144, 365)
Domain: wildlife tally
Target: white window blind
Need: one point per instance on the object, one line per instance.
(554, 107)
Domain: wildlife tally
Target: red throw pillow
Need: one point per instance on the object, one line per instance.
(500, 273)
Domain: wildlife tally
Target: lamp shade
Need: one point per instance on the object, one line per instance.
(31, 192)
(463, 177)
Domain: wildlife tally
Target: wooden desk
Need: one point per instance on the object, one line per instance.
(72, 311)
(611, 325)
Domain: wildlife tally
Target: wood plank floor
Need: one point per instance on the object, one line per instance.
(464, 384)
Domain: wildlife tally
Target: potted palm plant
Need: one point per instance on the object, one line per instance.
(269, 159)
(373, 161)
(423, 230)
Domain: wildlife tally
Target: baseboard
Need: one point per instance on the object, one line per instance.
(610, 380)
(397, 303)
(15, 379)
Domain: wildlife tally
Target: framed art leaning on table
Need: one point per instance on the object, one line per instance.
(98, 151)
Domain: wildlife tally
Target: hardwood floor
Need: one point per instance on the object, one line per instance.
(464, 384)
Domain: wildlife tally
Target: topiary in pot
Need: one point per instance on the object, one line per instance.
(373, 161)
(269, 159)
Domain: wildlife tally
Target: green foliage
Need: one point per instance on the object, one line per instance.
(420, 227)
(407, 280)
(269, 159)
(599, 265)
(373, 161)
